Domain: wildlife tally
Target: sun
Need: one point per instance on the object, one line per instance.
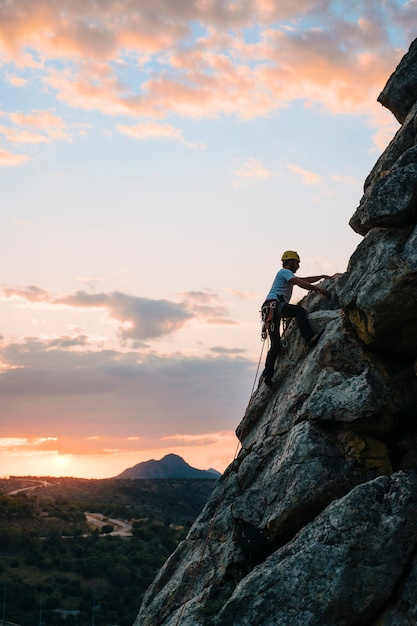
(62, 460)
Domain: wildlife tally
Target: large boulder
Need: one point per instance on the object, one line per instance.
(400, 92)
(340, 569)
(379, 289)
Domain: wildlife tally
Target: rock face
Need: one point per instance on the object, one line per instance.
(315, 521)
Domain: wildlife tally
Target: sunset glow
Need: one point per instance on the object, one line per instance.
(154, 165)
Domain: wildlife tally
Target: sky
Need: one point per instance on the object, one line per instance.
(156, 159)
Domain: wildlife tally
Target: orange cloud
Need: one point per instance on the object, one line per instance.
(120, 58)
(145, 130)
(15, 135)
(328, 67)
(17, 81)
(309, 178)
(9, 158)
(69, 456)
(34, 127)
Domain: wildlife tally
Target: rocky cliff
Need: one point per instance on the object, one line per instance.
(315, 521)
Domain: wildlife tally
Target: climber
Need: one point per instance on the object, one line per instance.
(277, 305)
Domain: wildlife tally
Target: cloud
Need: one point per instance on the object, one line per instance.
(242, 295)
(252, 169)
(15, 135)
(146, 130)
(51, 391)
(16, 81)
(207, 306)
(197, 440)
(34, 127)
(384, 135)
(222, 350)
(139, 319)
(108, 456)
(12, 442)
(255, 170)
(206, 58)
(10, 159)
(67, 445)
(43, 121)
(309, 178)
(30, 293)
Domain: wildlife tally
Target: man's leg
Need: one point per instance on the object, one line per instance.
(297, 311)
(275, 348)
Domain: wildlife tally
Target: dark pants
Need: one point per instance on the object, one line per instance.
(287, 310)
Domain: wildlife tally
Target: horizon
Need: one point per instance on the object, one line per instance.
(39, 477)
(155, 164)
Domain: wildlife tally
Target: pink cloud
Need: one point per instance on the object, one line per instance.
(143, 130)
(146, 130)
(326, 59)
(9, 158)
(37, 119)
(31, 294)
(34, 127)
(16, 135)
(93, 86)
(309, 178)
(17, 81)
(315, 66)
(252, 169)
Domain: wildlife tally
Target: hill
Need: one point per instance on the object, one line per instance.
(170, 466)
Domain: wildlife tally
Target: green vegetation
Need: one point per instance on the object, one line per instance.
(55, 570)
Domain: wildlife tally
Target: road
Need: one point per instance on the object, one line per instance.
(122, 529)
(38, 483)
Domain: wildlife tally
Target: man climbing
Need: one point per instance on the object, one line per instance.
(277, 305)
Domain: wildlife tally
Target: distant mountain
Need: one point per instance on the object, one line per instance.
(170, 466)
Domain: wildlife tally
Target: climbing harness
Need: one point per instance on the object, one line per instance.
(267, 318)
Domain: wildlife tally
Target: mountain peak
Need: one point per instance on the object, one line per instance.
(171, 466)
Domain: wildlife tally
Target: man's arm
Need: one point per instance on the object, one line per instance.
(305, 284)
(314, 279)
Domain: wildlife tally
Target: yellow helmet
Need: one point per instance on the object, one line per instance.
(290, 254)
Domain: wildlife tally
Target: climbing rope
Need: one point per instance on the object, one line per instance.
(213, 519)
(257, 372)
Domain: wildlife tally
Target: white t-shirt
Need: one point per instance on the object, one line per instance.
(281, 285)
